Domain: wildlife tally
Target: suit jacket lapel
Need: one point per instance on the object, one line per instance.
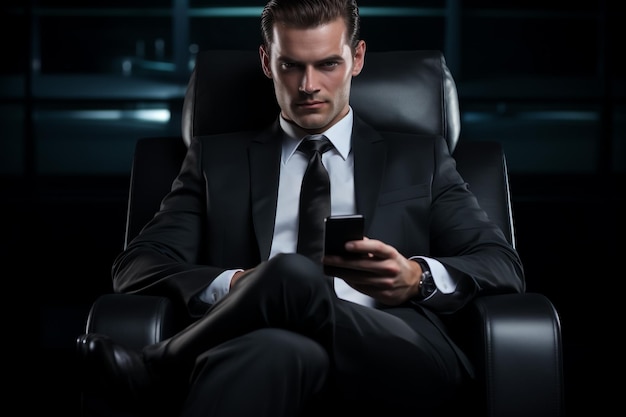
(370, 156)
(264, 178)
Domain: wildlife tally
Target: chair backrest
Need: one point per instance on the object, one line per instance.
(402, 91)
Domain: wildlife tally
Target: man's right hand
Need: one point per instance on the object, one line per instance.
(238, 275)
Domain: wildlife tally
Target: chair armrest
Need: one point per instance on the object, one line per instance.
(513, 339)
(133, 320)
(517, 349)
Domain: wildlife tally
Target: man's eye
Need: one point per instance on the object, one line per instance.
(329, 64)
(288, 65)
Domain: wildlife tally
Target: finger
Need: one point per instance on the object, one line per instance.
(375, 248)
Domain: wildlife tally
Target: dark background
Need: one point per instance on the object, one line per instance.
(79, 84)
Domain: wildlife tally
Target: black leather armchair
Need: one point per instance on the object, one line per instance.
(513, 339)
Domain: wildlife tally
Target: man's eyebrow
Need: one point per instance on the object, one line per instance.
(335, 57)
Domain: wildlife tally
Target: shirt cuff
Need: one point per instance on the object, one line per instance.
(218, 288)
(443, 281)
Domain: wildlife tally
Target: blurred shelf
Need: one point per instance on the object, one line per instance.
(541, 88)
(119, 87)
(91, 87)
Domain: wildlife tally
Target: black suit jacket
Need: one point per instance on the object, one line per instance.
(220, 215)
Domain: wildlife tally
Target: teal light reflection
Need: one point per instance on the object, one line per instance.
(364, 11)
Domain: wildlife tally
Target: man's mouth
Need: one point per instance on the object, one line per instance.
(311, 104)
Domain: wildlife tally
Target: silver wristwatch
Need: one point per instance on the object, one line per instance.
(427, 283)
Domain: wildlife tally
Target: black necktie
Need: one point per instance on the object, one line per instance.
(314, 198)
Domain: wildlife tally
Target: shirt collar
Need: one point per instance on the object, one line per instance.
(339, 134)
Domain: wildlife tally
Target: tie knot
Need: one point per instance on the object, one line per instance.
(315, 143)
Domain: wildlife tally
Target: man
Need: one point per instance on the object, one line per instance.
(271, 334)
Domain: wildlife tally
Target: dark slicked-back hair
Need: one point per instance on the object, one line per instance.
(309, 14)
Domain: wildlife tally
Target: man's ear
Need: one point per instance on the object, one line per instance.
(359, 58)
(265, 61)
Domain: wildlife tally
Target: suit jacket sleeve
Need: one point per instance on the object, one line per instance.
(174, 255)
(467, 242)
(463, 238)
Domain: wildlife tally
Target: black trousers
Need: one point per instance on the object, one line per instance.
(283, 344)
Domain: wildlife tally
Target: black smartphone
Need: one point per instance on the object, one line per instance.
(341, 229)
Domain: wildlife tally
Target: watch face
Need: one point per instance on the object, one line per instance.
(428, 284)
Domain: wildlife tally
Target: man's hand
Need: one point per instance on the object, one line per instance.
(238, 275)
(382, 273)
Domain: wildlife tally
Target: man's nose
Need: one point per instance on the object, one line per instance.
(308, 84)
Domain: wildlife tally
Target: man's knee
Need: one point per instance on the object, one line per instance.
(293, 263)
(290, 270)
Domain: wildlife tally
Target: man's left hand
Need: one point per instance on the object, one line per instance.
(382, 272)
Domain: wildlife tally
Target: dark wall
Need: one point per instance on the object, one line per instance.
(544, 80)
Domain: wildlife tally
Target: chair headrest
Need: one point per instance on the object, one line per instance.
(401, 91)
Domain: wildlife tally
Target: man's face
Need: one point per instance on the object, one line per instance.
(312, 70)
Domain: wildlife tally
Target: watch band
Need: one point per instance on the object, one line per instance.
(427, 283)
